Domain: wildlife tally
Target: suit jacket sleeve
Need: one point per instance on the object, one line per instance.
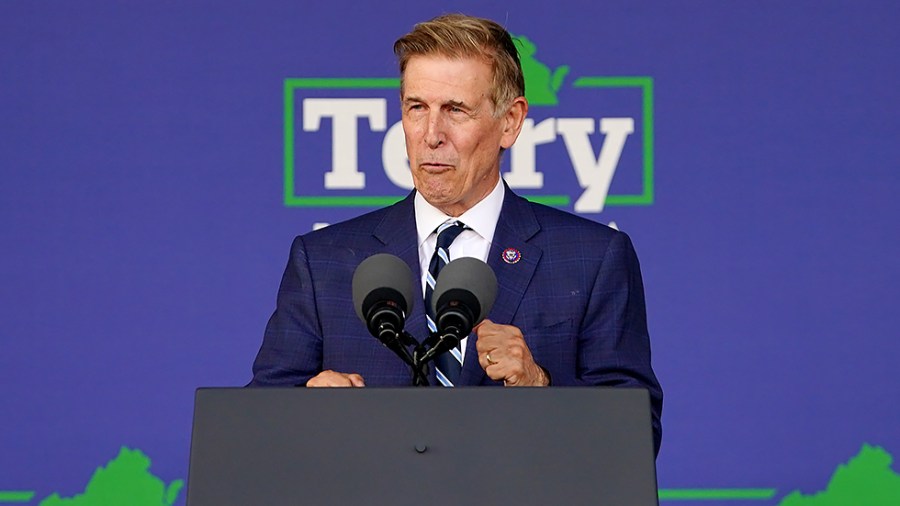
(291, 352)
(614, 344)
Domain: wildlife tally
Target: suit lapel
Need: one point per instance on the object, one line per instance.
(397, 231)
(515, 227)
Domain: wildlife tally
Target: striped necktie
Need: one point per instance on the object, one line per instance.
(448, 365)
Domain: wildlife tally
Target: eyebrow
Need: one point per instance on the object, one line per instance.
(450, 103)
(458, 103)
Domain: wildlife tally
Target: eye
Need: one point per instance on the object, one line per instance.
(414, 107)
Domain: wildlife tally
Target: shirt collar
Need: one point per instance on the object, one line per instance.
(482, 217)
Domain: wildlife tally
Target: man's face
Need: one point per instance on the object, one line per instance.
(453, 139)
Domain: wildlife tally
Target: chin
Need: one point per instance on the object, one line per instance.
(439, 199)
(433, 189)
(436, 199)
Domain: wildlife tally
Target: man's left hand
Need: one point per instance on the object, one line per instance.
(504, 355)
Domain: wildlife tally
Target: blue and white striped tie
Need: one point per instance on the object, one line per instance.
(448, 365)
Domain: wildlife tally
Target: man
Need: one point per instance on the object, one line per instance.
(570, 304)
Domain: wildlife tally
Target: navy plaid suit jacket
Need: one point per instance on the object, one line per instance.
(576, 294)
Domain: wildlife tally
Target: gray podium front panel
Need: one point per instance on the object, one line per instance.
(434, 446)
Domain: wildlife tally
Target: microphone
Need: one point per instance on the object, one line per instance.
(382, 296)
(463, 296)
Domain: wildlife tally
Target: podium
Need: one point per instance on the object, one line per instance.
(421, 446)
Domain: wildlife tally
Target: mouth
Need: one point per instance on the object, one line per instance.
(435, 168)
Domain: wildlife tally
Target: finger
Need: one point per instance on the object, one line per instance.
(356, 380)
(518, 372)
(494, 334)
(484, 361)
(493, 371)
(485, 344)
(490, 336)
(510, 368)
(483, 323)
(495, 363)
(505, 349)
(501, 371)
(329, 378)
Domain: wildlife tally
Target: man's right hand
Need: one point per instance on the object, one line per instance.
(335, 379)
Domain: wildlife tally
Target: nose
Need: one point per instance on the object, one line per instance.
(434, 132)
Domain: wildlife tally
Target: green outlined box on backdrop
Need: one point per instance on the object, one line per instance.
(645, 198)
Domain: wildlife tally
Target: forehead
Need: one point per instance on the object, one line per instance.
(435, 77)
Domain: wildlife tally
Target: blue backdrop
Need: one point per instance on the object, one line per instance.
(145, 216)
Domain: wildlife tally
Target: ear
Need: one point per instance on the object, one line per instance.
(512, 121)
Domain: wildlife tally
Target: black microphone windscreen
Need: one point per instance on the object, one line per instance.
(469, 274)
(386, 274)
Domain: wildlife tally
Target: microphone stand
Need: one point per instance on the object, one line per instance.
(399, 343)
(422, 353)
(426, 351)
(419, 368)
(439, 343)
